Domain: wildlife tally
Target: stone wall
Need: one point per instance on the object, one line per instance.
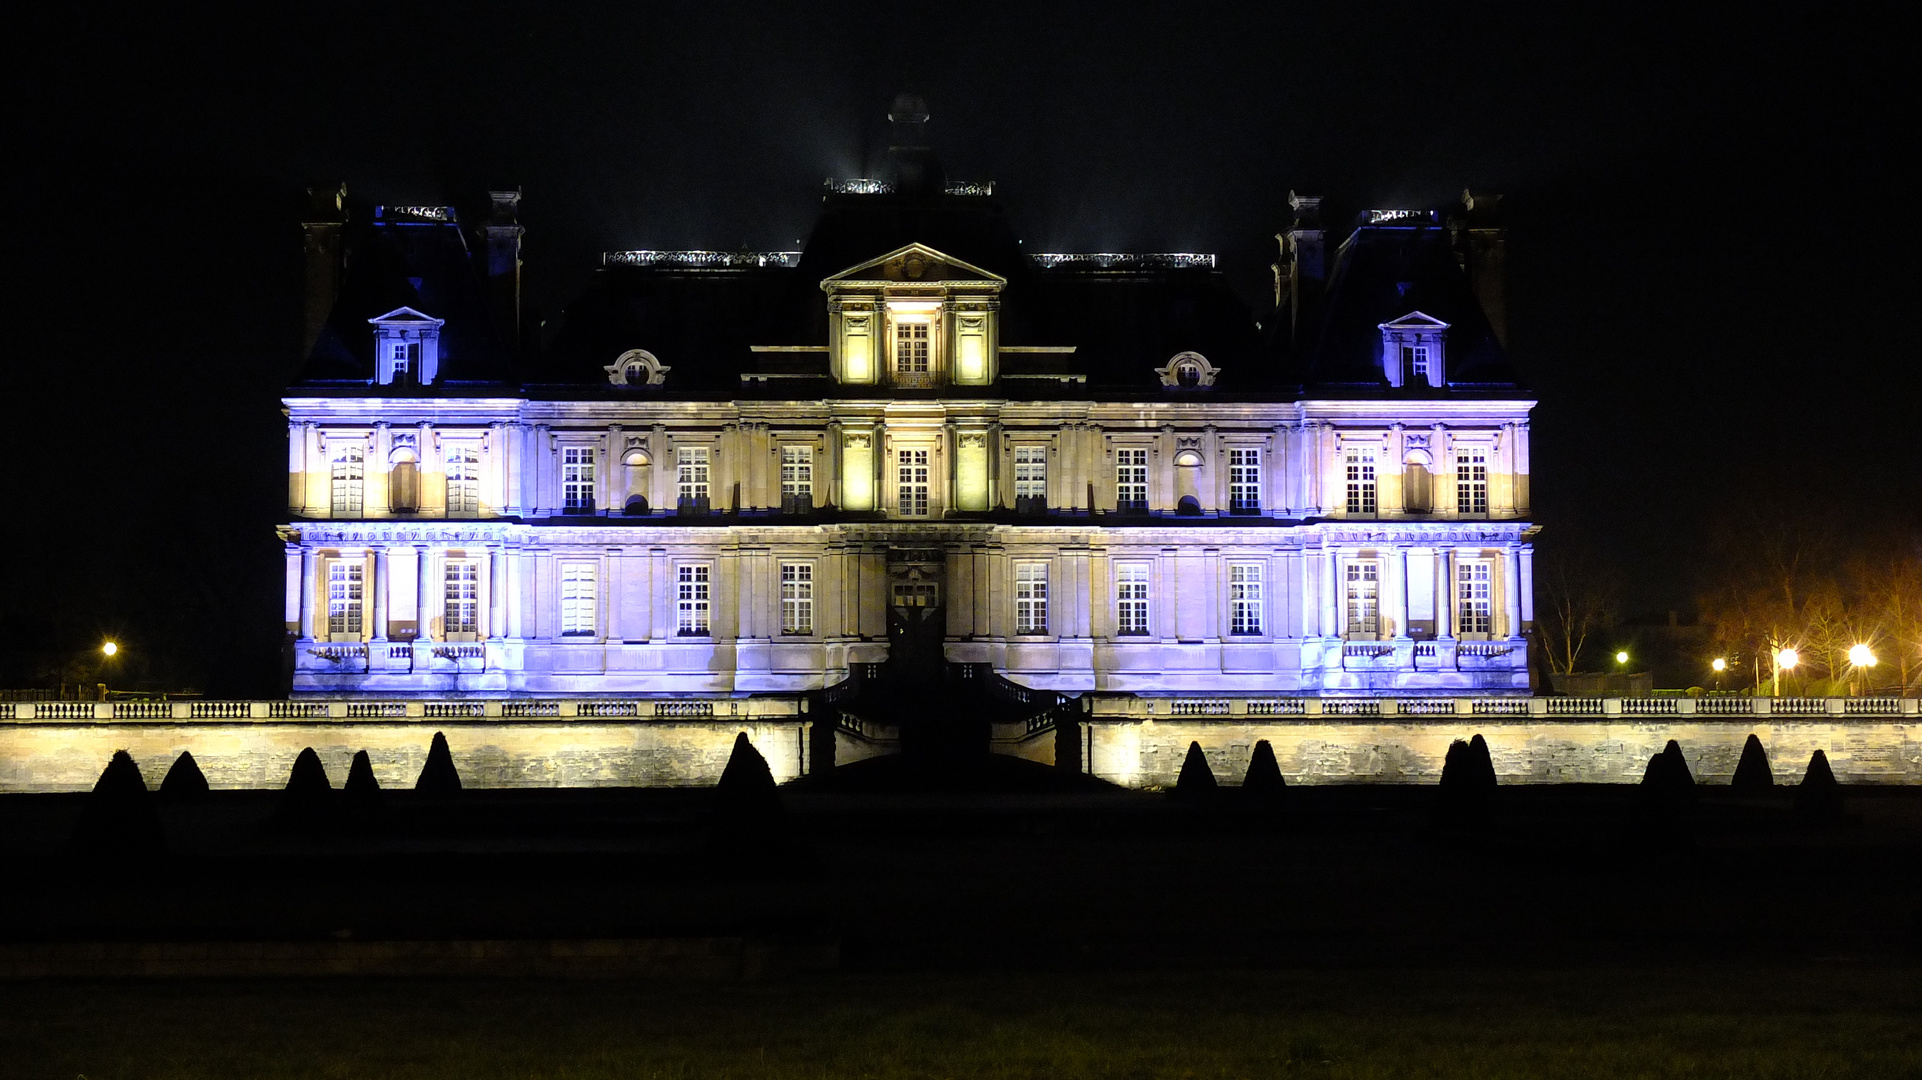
(494, 753)
(1148, 753)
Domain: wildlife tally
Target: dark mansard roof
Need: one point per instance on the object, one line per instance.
(400, 261)
(1381, 273)
(1124, 317)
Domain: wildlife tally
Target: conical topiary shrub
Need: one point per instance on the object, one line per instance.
(1752, 775)
(119, 815)
(1483, 762)
(1264, 782)
(1819, 797)
(1468, 775)
(309, 794)
(1667, 778)
(1197, 781)
(361, 783)
(184, 781)
(438, 776)
(746, 790)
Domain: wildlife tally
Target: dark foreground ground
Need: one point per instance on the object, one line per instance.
(1085, 932)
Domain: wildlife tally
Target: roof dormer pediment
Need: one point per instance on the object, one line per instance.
(915, 264)
(1415, 320)
(405, 315)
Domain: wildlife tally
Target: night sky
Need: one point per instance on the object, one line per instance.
(1712, 247)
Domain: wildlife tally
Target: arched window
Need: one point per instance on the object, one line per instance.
(1417, 483)
(403, 481)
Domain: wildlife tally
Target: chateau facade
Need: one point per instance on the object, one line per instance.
(738, 472)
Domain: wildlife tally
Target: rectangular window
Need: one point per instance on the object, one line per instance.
(797, 598)
(343, 598)
(463, 482)
(911, 348)
(913, 495)
(1031, 598)
(1131, 480)
(577, 479)
(461, 590)
(1361, 479)
(691, 601)
(350, 465)
(691, 463)
(1131, 599)
(1471, 479)
(1415, 361)
(1244, 598)
(1364, 600)
(797, 479)
(403, 361)
(577, 599)
(1475, 612)
(916, 594)
(1030, 478)
(1244, 481)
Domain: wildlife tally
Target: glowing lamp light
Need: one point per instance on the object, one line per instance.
(1621, 658)
(1719, 665)
(1787, 658)
(1861, 656)
(109, 648)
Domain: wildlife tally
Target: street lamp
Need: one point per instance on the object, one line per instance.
(1785, 660)
(110, 649)
(1621, 657)
(1860, 657)
(1718, 665)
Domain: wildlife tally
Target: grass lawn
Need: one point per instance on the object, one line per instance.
(1736, 1022)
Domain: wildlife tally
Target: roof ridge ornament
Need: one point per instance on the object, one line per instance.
(1120, 260)
(700, 259)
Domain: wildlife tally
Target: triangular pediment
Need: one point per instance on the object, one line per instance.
(916, 264)
(1415, 320)
(406, 315)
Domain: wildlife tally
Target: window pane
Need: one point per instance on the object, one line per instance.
(797, 598)
(577, 599)
(462, 594)
(1131, 599)
(1031, 598)
(343, 598)
(1244, 481)
(577, 478)
(1475, 610)
(1244, 598)
(692, 467)
(913, 493)
(1471, 479)
(691, 600)
(1361, 479)
(1363, 599)
(1131, 479)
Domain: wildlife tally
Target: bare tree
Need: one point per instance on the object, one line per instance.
(1577, 597)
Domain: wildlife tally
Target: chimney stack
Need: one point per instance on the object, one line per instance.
(501, 241)
(321, 227)
(1481, 244)
(1301, 270)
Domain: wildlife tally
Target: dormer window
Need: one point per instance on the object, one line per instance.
(1187, 371)
(637, 367)
(406, 348)
(1412, 350)
(913, 318)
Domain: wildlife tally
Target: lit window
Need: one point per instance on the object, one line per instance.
(461, 590)
(1244, 598)
(691, 601)
(405, 356)
(577, 479)
(1131, 599)
(692, 465)
(350, 464)
(1364, 599)
(343, 598)
(1474, 612)
(1031, 598)
(1471, 479)
(913, 501)
(797, 479)
(797, 598)
(463, 482)
(1244, 481)
(577, 599)
(1030, 478)
(1361, 479)
(911, 348)
(1131, 480)
(1416, 360)
(916, 595)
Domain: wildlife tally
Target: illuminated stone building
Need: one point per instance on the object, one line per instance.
(738, 472)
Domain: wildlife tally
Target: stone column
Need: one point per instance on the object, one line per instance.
(1512, 591)
(423, 592)
(496, 586)
(1445, 601)
(1398, 562)
(309, 569)
(1330, 609)
(516, 602)
(380, 594)
(377, 497)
